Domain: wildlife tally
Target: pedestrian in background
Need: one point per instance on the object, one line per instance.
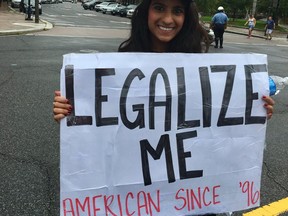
(251, 25)
(270, 26)
(219, 24)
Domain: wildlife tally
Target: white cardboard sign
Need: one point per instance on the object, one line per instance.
(162, 134)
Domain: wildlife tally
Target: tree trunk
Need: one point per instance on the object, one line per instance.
(254, 7)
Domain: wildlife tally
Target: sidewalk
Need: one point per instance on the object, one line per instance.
(256, 32)
(13, 22)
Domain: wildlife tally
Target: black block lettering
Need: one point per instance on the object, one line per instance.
(167, 103)
(164, 143)
(250, 95)
(182, 123)
(206, 96)
(138, 107)
(73, 120)
(184, 174)
(223, 121)
(101, 121)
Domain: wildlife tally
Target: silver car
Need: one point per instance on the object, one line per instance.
(100, 6)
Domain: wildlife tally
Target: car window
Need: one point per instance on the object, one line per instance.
(32, 2)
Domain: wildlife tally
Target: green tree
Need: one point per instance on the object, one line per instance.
(276, 8)
(207, 7)
(241, 8)
(237, 8)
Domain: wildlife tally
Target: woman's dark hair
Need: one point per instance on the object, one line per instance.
(190, 39)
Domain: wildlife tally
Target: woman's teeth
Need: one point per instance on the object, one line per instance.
(165, 28)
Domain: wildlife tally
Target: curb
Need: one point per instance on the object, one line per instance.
(245, 34)
(47, 26)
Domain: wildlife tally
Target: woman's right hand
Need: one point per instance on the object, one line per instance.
(61, 106)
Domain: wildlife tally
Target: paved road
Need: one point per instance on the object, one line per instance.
(29, 138)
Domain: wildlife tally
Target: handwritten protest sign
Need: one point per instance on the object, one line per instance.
(162, 134)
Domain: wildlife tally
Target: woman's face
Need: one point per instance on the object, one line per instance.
(165, 20)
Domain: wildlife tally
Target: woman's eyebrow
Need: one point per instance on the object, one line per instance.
(157, 3)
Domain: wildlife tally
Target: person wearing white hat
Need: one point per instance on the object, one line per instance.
(218, 24)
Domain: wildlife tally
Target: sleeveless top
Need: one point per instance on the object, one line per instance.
(251, 22)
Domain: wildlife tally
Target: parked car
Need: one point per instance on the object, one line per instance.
(24, 6)
(90, 4)
(108, 9)
(84, 1)
(116, 11)
(211, 35)
(99, 7)
(51, 1)
(210, 32)
(15, 3)
(130, 12)
(123, 11)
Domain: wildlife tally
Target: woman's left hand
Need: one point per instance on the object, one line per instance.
(269, 103)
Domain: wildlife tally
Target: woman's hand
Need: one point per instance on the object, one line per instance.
(61, 106)
(269, 103)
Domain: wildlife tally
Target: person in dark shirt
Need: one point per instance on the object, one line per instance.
(270, 26)
(219, 24)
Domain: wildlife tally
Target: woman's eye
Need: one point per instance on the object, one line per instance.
(158, 7)
(178, 11)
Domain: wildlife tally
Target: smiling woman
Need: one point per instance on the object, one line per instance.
(165, 26)
(165, 20)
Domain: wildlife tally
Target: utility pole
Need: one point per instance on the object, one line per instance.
(254, 7)
(277, 7)
(36, 11)
(276, 4)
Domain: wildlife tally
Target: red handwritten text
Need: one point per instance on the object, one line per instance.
(248, 188)
(121, 205)
(197, 198)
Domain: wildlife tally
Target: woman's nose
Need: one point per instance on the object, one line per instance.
(168, 17)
